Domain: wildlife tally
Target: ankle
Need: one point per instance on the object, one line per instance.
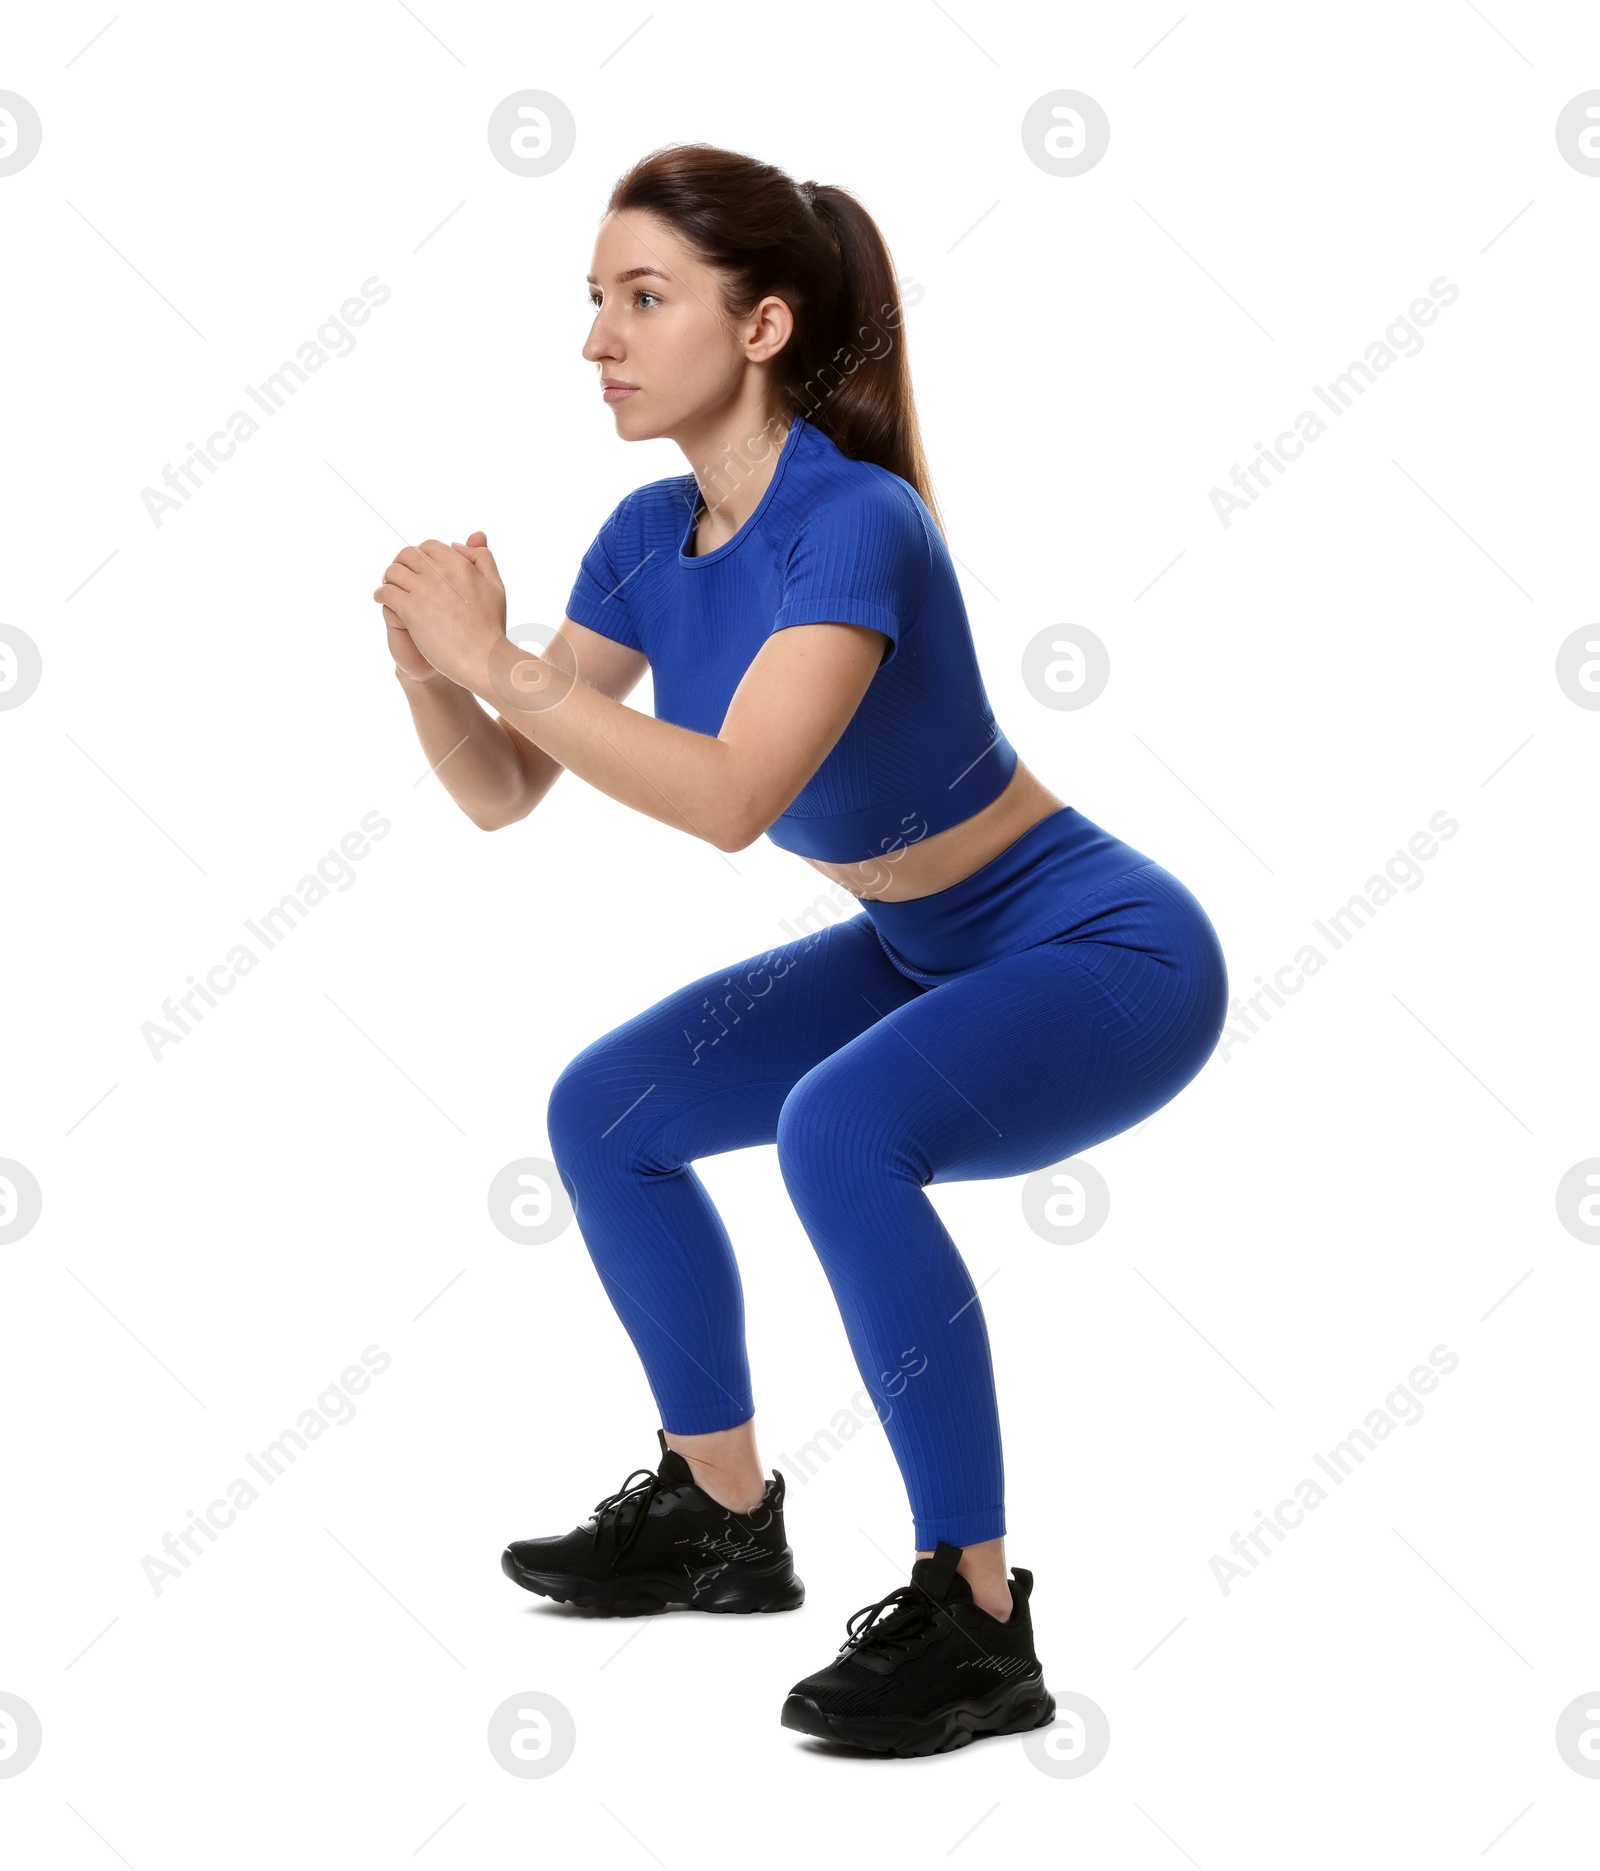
(725, 1464)
(735, 1503)
(996, 1600)
(740, 1495)
(983, 1566)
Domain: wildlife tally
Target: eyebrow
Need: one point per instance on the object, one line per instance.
(633, 272)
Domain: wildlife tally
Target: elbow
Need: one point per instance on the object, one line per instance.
(741, 806)
(738, 834)
(744, 820)
(507, 815)
(494, 822)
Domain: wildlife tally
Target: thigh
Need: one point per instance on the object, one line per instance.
(706, 1068)
(1017, 1064)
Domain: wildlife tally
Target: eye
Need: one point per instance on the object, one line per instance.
(639, 293)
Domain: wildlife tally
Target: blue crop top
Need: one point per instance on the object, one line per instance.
(832, 540)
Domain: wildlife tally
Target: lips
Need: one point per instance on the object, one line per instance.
(615, 391)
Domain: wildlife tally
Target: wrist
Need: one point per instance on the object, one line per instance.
(519, 679)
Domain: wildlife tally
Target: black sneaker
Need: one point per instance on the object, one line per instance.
(934, 1674)
(663, 1541)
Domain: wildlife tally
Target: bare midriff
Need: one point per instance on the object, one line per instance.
(945, 858)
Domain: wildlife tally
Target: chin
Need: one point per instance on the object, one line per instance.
(635, 426)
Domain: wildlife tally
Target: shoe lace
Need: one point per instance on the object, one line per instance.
(610, 1511)
(910, 1611)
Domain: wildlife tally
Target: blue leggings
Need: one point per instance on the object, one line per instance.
(1056, 997)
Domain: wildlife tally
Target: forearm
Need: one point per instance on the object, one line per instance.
(469, 752)
(684, 779)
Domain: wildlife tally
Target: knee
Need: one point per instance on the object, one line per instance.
(835, 1139)
(805, 1137)
(588, 1097)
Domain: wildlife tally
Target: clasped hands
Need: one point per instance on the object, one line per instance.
(451, 603)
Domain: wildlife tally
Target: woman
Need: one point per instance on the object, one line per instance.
(1019, 985)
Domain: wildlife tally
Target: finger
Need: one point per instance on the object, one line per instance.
(412, 557)
(448, 566)
(481, 558)
(402, 576)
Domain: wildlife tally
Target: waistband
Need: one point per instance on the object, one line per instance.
(1063, 865)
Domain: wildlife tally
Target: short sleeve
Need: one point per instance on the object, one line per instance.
(599, 596)
(862, 558)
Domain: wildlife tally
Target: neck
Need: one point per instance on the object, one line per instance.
(733, 467)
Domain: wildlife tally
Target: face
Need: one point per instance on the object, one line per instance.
(658, 327)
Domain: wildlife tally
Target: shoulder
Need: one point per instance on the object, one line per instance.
(649, 519)
(671, 495)
(864, 508)
(872, 530)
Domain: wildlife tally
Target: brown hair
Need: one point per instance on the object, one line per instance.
(815, 247)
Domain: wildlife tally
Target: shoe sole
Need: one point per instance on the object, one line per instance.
(775, 1588)
(1012, 1710)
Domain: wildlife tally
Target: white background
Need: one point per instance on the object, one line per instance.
(1292, 697)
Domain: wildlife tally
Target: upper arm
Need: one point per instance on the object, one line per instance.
(600, 661)
(600, 593)
(791, 706)
(612, 667)
(861, 557)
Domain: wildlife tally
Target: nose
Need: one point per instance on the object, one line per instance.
(600, 345)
